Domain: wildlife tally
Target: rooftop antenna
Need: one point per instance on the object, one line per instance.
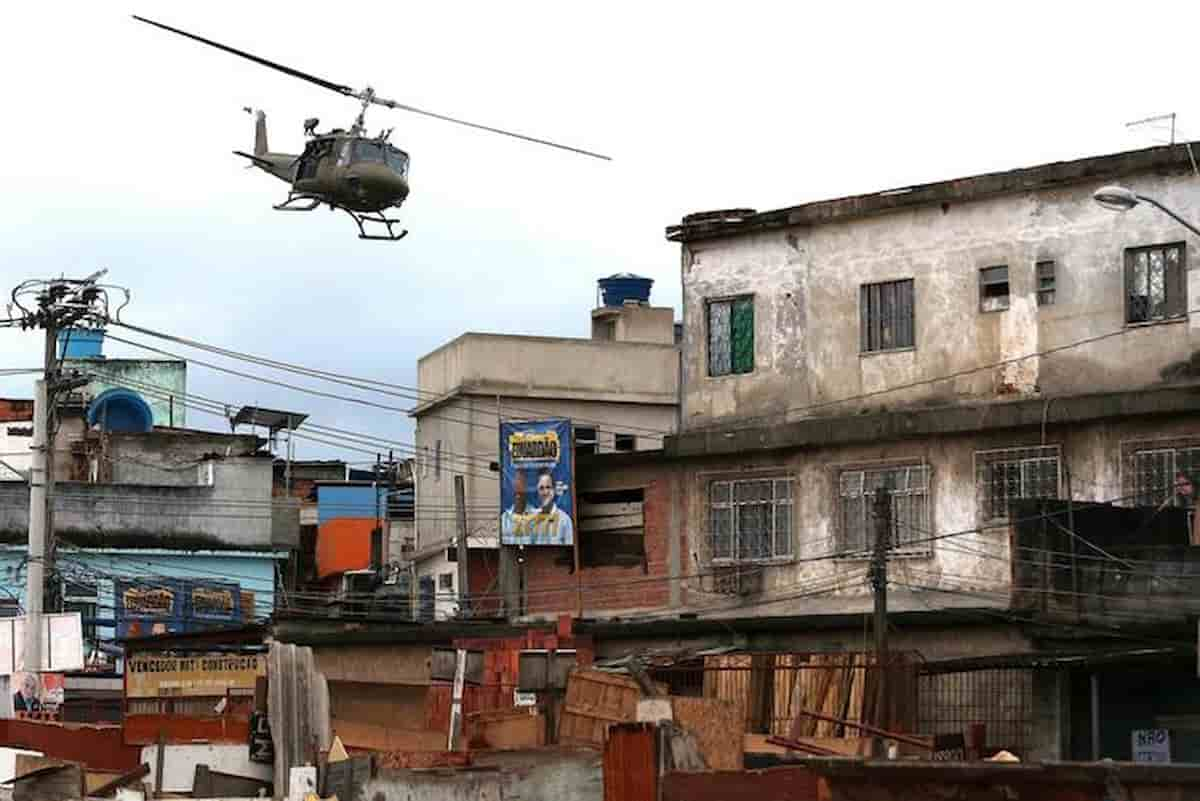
(1158, 123)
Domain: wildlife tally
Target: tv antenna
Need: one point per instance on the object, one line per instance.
(1164, 124)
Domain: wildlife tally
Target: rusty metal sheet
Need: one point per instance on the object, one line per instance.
(631, 763)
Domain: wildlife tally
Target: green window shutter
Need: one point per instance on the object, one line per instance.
(742, 326)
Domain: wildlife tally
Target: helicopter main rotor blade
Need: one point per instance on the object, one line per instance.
(393, 104)
(304, 76)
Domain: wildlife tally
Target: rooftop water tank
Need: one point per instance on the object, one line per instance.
(119, 409)
(81, 343)
(620, 287)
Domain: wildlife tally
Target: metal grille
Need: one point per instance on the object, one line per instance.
(886, 315)
(999, 698)
(1155, 476)
(731, 336)
(910, 508)
(1155, 288)
(1007, 475)
(750, 520)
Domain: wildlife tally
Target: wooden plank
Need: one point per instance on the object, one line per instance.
(120, 780)
(716, 726)
(381, 738)
(587, 510)
(506, 730)
(52, 783)
(626, 524)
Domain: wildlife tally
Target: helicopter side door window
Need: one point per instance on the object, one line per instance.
(398, 161)
(344, 155)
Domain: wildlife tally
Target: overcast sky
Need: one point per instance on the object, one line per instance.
(117, 141)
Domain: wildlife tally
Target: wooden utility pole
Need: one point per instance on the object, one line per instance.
(460, 508)
(879, 581)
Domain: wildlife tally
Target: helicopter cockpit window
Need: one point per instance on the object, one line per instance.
(397, 160)
(368, 151)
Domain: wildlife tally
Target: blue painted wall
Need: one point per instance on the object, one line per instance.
(252, 571)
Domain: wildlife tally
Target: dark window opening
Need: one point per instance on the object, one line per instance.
(1046, 283)
(731, 336)
(612, 528)
(377, 548)
(1155, 283)
(625, 442)
(585, 440)
(886, 316)
(446, 581)
(21, 431)
(993, 289)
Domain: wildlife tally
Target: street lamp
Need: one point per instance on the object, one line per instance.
(1120, 198)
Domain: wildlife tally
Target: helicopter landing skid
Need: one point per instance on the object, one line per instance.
(361, 219)
(296, 203)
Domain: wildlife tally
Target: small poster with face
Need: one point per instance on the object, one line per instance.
(36, 692)
(535, 483)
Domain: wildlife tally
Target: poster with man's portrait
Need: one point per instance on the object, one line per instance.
(536, 506)
(35, 692)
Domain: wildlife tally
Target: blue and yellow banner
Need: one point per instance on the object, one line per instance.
(535, 483)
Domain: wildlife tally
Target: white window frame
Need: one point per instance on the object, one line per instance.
(1171, 448)
(859, 482)
(783, 546)
(986, 461)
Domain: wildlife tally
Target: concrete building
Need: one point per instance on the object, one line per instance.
(970, 342)
(619, 388)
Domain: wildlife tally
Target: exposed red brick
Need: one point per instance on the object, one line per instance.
(15, 410)
(552, 588)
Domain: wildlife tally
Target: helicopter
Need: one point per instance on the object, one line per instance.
(345, 169)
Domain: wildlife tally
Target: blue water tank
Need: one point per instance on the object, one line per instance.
(81, 343)
(119, 409)
(618, 288)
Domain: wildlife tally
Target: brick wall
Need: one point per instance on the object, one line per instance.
(551, 587)
(15, 410)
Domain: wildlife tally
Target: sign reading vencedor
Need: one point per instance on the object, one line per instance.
(155, 676)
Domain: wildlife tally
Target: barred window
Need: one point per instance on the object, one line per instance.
(1155, 283)
(910, 508)
(885, 313)
(731, 336)
(1162, 473)
(750, 520)
(1003, 476)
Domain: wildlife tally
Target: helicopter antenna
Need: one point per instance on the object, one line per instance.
(367, 96)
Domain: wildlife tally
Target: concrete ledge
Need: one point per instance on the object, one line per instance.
(908, 424)
(1045, 176)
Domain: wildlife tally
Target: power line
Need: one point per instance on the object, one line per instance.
(366, 384)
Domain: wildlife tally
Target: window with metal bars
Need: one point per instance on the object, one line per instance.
(1046, 283)
(1006, 475)
(731, 336)
(886, 316)
(1155, 283)
(910, 509)
(750, 520)
(1158, 473)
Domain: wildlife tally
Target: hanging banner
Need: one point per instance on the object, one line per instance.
(535, 483)
(206, 675)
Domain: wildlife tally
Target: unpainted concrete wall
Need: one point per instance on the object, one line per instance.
(557, 774)
(806, 279)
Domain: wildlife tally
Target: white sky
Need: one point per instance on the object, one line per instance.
(117, 142)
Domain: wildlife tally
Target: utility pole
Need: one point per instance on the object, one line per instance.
(52, 305)
(879, 581)
(460, 509)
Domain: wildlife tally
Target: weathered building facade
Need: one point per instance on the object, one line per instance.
(968, 343)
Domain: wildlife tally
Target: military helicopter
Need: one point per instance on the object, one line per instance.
(362, 175)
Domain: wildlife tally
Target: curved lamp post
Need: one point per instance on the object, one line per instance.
(1120, 198)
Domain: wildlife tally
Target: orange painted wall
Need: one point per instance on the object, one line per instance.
(344, 543)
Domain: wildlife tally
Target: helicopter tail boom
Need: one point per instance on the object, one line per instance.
(278, 164)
